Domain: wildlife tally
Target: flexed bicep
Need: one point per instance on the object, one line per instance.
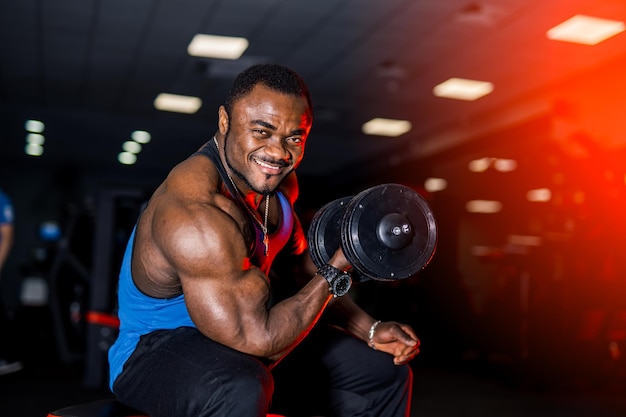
(223, 291)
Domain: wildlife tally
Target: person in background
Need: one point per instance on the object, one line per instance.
(7, 366)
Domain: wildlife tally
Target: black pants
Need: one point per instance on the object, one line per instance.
(182, 373)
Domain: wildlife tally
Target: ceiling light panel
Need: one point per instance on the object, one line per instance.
(33, 149)
(483, 206)
(480, 165)
(386, 127)
(463, 89)
(213, 46)
(585, 30)
(435, 184)
(34, 126)
(505, 165)
(131, 146)
(539, 195)
(141, 136)
(177, 103)
(35, 138)
(127, 158)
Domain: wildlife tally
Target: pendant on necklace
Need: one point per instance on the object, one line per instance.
(266, 242)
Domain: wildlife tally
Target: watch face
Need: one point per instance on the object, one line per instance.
(342, 284)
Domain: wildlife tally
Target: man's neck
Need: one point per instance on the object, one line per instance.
(253, 199)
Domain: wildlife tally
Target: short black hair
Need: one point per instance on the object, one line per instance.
(277, 77)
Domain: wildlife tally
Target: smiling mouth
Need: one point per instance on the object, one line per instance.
(275, 168)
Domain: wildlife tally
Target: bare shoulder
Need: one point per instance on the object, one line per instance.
(188, 230)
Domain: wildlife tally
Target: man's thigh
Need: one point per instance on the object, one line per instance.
(182, 372)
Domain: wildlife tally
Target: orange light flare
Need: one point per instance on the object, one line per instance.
(588, 127)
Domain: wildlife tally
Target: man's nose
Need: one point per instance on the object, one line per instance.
(276, 150)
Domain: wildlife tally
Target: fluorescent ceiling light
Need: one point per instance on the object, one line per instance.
(505, 165)
(463, 89)
(212, 46)
(141, 136)
(479, 165)
(386, 127)
(483, 206)
(36, 139)
(127, 158)
(33, 149)
(131, 146)
(435, 184)
(539, 195)
(585, 30)
(34, 126)
(177, 103)
(499, 164)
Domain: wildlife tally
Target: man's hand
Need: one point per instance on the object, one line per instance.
(398, 340)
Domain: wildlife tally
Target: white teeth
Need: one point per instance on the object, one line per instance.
(266, 165)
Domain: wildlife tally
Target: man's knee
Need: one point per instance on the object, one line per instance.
(404, 373)
(259, 386)
(396, 377)
(384, 370)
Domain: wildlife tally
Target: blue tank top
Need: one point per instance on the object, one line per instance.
(140, 314)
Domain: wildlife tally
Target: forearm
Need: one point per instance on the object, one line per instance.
(345, 313)
(289, 321)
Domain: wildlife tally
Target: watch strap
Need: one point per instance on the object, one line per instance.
(330, 274)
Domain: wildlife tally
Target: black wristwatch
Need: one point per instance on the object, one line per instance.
(339, 281)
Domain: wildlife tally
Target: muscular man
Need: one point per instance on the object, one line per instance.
(208, 326)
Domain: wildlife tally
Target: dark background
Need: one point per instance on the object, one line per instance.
(544, 319)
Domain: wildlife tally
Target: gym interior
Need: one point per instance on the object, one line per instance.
(521, 311)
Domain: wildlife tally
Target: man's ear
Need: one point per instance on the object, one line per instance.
(222, 120)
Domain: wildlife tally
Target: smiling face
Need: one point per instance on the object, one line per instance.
(264, 136)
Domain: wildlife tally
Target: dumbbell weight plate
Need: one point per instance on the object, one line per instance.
(324, 235)
(388, 232)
